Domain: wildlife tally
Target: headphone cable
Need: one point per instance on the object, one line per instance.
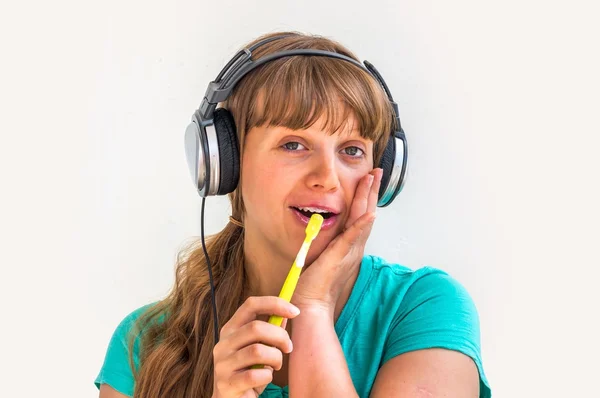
(210, 276)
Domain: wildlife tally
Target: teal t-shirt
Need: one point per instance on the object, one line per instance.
(391, 310)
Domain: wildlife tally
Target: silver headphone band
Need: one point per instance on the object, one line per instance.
(213, 153)
(396, 173)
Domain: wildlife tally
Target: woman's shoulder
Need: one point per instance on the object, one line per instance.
(116, 370)
(420, 308)
(402, 290)
(131, 317)
(127, 324)
(393, 275)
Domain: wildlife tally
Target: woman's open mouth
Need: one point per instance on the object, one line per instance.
(303, 215)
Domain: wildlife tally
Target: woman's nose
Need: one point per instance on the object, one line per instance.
(323, 174)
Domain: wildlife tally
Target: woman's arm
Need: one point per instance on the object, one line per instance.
(428, 373)
(107, 391)
(317, 366)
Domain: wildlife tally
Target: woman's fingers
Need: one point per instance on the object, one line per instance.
(359, 230)
(248, 379)
(253, 354)
(360, 200)
(362, 194)
(247, 341)
(260, 331)
(365, 196)
(374, 192)
(254, 306)
(366, 199)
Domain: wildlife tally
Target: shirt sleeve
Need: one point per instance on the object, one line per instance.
(116, 370)
(437, 312)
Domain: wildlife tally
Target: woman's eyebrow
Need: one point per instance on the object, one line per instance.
(276, 132)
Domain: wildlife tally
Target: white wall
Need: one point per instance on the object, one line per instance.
(500, 103)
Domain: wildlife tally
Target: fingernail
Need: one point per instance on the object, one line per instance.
(371, 177)
(295, 310)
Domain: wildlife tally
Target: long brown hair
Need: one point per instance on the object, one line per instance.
(175, 335)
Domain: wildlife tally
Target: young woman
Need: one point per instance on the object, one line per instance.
(312, 131)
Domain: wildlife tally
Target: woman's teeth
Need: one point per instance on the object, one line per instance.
(308, 211)
(312, 210)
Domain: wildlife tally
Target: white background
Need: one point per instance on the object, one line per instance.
(500, 102)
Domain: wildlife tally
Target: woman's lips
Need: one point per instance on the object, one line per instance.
(327, 222)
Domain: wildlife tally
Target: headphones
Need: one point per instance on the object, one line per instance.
(211, 143)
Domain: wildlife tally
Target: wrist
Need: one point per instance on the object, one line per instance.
(316, 308)
(312, 301)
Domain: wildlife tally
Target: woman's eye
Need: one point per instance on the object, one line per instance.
(353, 151)
(293, 146)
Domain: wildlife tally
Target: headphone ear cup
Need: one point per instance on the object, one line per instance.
(386, 164)
(229, 153)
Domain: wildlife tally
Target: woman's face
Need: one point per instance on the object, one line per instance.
(287, 174)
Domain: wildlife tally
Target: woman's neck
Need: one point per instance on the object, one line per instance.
(266, 269)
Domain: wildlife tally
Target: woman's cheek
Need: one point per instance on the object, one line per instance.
(351, 183)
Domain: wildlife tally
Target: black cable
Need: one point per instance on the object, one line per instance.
(210, 277)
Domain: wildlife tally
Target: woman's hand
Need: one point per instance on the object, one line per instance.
(245, 341)
(323, 281)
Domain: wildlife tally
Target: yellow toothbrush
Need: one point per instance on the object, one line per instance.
(312, 230)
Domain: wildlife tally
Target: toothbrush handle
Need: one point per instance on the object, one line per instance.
(286, 293)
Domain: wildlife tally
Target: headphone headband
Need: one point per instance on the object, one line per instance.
(241, 64)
